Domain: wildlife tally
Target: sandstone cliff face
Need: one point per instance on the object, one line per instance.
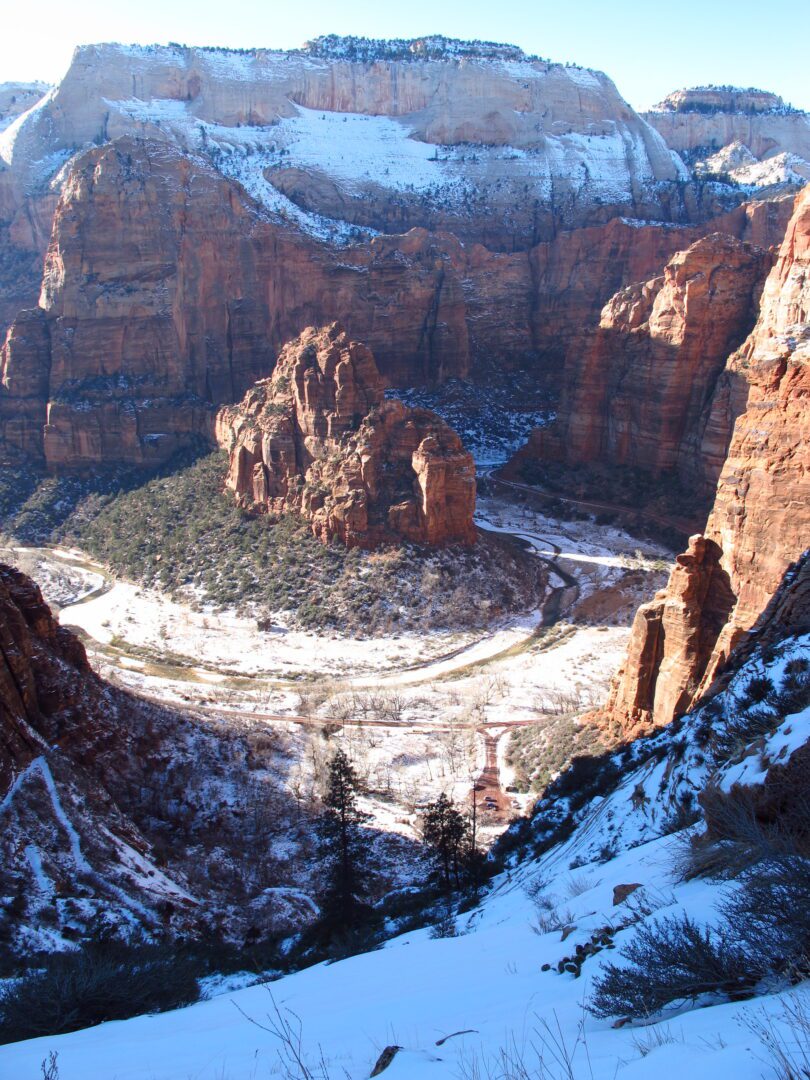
(553, 143)
(648, 389)
(749, 135)
(43, 674)
(760, 522)
(167, 292)
(319, 438)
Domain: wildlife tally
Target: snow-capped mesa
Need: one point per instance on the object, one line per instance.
(748, 137)
(377, 135)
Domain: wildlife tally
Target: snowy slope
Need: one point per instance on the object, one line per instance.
(487, 984)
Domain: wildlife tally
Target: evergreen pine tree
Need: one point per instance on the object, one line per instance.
(344, 846)
(447, 832)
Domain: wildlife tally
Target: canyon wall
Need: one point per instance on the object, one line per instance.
(319, 439)
(760, 521)
(43, 674)
(648, 388)
(167, 293)
(343, 139)
(495, 146)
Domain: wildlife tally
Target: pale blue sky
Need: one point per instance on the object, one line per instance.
(647, 48)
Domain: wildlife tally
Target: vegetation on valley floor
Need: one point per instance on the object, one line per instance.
(180, 532)
(626, 488)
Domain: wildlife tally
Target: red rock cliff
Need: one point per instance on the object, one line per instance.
(167, 292)
(319, 438)
(44, 674)
(649, 387)
(760, 522)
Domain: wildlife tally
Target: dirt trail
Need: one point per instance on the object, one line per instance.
(493, 802)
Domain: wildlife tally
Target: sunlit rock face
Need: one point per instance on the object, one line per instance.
(496, 146)
(760, 521)
(166, 293)
(748, 136)
(648, 387)
(319, 439)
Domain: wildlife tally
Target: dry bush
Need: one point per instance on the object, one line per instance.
(77, 990)
(672, 960)
(550, 916)
(742, 830)
(788, 1050)
(545, 1053)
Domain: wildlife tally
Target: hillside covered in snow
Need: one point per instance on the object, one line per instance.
(642, 863)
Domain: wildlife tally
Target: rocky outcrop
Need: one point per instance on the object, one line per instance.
(167, 292)
(44, 674)
(671, 642)
(750, 136)
(319, 439)
(648, 388)
(721, 99)
(760, 522)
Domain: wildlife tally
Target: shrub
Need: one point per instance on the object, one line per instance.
(77, 990)
(771, 914)
(757, 689)
(668, 961)
(675, 960)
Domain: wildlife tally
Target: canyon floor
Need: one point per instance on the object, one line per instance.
(422, 712)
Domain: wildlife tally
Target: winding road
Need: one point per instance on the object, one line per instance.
(676, 524)
(562, 594)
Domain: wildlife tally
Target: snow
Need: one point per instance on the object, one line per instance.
(41, 766)
(355, 146)
(523, 69)
(793, 732)
(418, 991)
(738, 163)
(448, 687)
(359, 151)
(8, 138)
(232, 644)
(454, 1004)
(584, 78)
(34, 859)
(148, 876)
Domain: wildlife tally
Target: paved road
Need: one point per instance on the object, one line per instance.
(587, 504)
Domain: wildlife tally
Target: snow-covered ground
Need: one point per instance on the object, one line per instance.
(145, 627)
(66, 577)
(737, 162)
(480, 1005)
